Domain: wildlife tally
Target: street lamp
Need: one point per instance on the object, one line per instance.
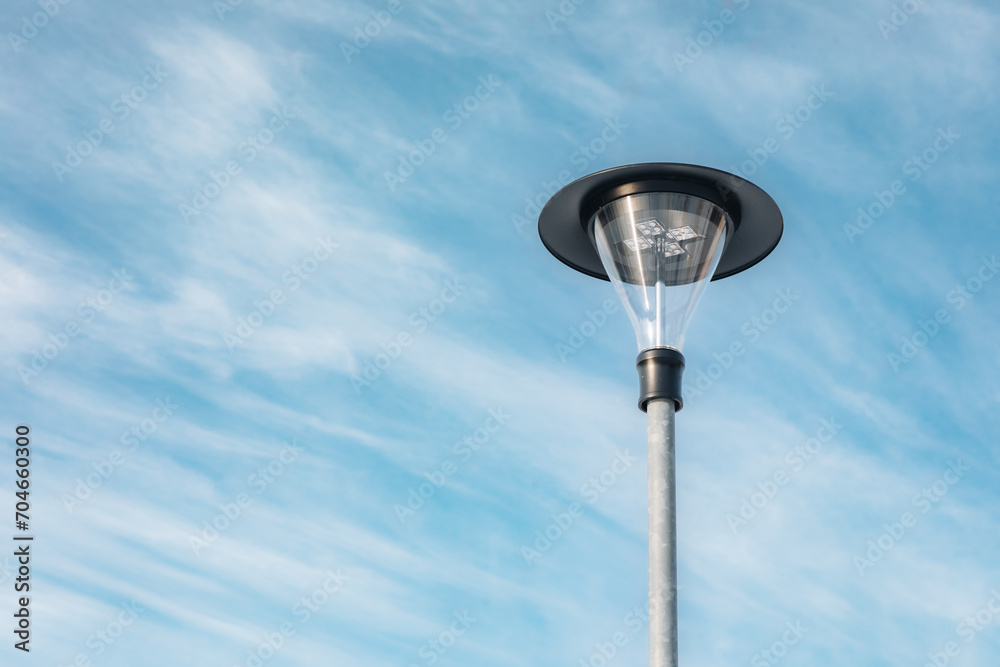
(660, 232)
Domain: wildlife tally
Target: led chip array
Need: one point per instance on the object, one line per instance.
(670, 249)
(683, 233)
(649, 227)
(640, 243)
(671, 238)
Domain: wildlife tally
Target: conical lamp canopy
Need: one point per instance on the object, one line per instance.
(660, 250)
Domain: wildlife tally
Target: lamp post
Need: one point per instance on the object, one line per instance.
(660, 233)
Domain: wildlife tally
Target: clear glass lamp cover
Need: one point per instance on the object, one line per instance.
(660, 250)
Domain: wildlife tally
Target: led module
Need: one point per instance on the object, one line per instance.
(683, 233)
(649, 227)
(638, 244)
(671, 249)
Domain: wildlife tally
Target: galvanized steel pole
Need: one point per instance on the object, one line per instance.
(662, 534)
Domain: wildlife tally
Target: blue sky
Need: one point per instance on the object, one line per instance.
(262, 270)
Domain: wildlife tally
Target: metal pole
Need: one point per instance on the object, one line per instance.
(660, 287)
(662, 534)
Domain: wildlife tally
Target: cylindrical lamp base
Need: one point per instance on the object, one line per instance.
(660, 370)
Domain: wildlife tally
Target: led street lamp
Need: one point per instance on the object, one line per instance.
(660, 233)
